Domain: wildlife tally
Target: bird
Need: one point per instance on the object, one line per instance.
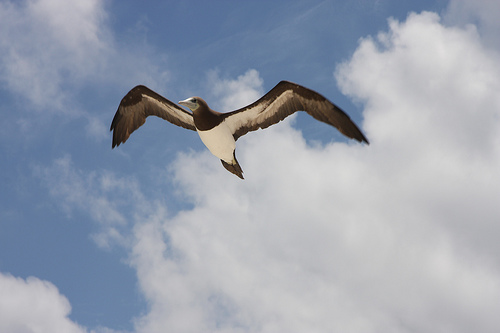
(220, 131)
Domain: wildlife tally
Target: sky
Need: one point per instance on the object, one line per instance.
(323, 235)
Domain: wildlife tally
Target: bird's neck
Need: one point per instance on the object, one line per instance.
(205, 118)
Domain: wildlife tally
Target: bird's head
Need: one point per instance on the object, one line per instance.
(192, 103)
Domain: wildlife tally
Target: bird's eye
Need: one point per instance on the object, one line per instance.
(194, 100)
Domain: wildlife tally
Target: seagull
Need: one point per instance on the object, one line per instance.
(219, 131)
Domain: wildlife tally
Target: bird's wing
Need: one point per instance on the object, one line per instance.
(137, 105)
(285, 99)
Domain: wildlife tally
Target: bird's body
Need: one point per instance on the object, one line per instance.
(219, 131)
(219, 140)
(213, 130)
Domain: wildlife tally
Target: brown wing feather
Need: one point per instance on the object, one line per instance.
(285, 99)
(137, 105)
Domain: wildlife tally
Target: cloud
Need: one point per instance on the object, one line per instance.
(442, 108)
(233, 94)
(397, 236)
(483, 13)
(49, 44)
(59, 57)
(33, 305)
(106, 198)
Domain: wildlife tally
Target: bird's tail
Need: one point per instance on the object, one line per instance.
(233, 167)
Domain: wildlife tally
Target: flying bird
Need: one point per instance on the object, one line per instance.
(219, 131)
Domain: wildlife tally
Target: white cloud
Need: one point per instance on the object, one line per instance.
(48, 44)
(56, 55)
(397, 236)
(483, 13)
(233, 94)
(433, 88)
(33, 305)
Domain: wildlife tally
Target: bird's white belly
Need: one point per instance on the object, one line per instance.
(219, 140)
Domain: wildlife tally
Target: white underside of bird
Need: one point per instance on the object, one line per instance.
(220, 141)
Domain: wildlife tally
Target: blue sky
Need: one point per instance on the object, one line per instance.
(323, 234)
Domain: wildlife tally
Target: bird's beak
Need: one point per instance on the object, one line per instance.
(187, 103)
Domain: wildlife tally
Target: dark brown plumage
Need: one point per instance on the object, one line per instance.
(140, 103)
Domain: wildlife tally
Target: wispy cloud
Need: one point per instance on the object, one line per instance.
(58, 55)
(46, 45)
(106, 198)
